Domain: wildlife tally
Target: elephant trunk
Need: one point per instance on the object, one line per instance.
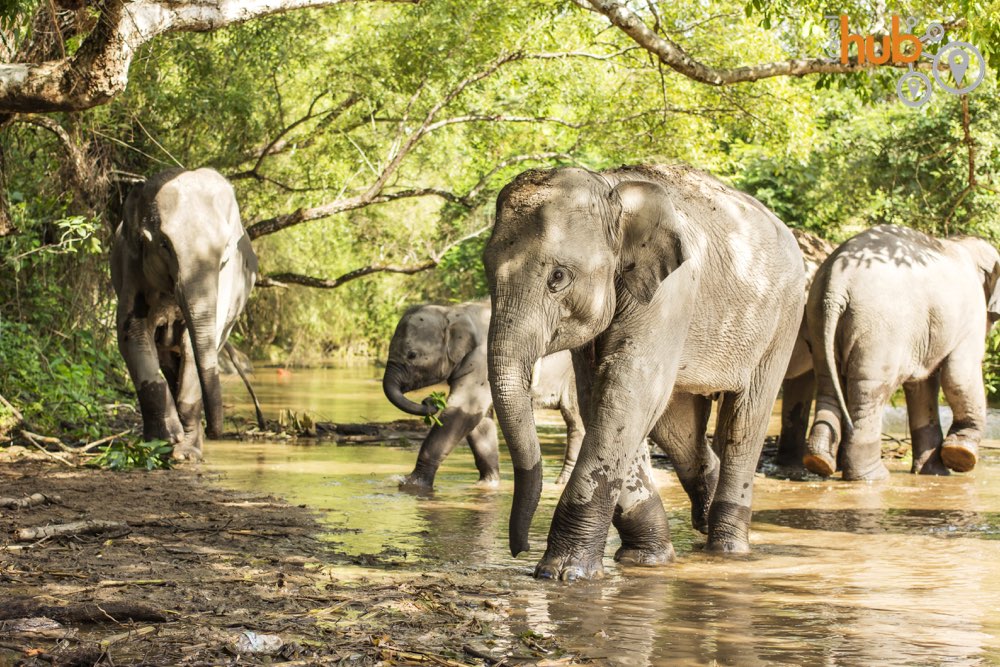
(511, 358)
(392, 386)
(198, 298)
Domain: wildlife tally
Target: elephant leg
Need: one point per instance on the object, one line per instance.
(796, 403)
(640, 518)
(962, 381)
(456, 424)
(629, 395)
(925, 425)
(680, 432)
(574, 436)
(189, 404)
(862, 458)
(135, 341)
(486, 451)
(824, 441)
(739, 435)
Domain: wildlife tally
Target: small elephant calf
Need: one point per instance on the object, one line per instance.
(182, 267)
(434, 344)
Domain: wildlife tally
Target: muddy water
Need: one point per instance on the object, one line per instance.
(903, 572)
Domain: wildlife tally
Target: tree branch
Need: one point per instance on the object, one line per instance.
(99, 69)
(285, 279)
(673, 56)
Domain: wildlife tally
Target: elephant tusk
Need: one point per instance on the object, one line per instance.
(536, 373)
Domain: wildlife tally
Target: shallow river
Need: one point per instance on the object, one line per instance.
(903, 572)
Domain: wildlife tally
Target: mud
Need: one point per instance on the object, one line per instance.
(196, 566)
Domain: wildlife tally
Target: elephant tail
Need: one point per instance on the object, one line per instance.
(831, 319)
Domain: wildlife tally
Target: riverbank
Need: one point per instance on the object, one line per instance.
(195, 574)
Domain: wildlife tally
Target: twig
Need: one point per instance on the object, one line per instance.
(246, 381)
(14, 411)
(131, 634)
(89, 527)
(47, 453)
(98, 443)
(47, 440)
(28, 501)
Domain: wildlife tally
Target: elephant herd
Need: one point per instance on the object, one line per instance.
(631, 299)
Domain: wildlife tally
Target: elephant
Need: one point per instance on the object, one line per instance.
(434, 344)
(667, 286)
(893, 306)
(800, 381)
(182, 267)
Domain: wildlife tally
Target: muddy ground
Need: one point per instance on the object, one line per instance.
(194, 570)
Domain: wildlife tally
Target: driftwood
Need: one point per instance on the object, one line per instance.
(402, 429)
(28, 501)
(75, 528)
(84, 612)
(30, 437)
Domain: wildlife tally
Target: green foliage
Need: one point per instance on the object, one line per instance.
(440, 401)
(125, 455)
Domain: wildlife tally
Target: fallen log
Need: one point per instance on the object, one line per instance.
(63, 529)
(83, 612)
(28, 501)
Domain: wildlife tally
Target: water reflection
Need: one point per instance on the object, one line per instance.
(905, 572)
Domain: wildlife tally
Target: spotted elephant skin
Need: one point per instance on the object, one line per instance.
(433, 344)
(182, 267)
(679, 288)
(799, 386)
(893, 306)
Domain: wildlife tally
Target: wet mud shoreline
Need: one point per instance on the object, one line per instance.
(198, 574)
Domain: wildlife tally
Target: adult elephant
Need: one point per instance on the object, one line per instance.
(182, 267)
(434, 344)
(893, 306)
(687, 289)
(799, 386)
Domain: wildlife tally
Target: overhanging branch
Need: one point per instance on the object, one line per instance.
(673, 56)
(99, 69)
(285, 279)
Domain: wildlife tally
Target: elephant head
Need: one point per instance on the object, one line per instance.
(568, 251)
(429, 346)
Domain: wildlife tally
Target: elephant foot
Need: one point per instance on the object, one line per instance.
(821, 464)
(873, 473)
(960, 452)
(417, 483)
(569, 567)
(821, 454)
(728, 547)
(185, 452)
(730, 529)
(929, 463)
(489, 482)
(644, 557)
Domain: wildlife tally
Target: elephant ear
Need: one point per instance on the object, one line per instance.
(461, 341)
(993, 295)
(647, 230)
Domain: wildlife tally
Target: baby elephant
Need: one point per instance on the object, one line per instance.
(894, 306)
(434, 344)
(182, 267)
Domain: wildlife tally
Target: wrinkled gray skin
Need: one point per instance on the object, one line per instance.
(182, 268)
(799, 387)
(891, 307)
(662, 281)
(434, 344)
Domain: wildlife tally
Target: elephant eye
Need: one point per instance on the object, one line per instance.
(559, 279)
(411, 355)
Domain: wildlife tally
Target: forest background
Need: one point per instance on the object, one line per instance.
(367, 143)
